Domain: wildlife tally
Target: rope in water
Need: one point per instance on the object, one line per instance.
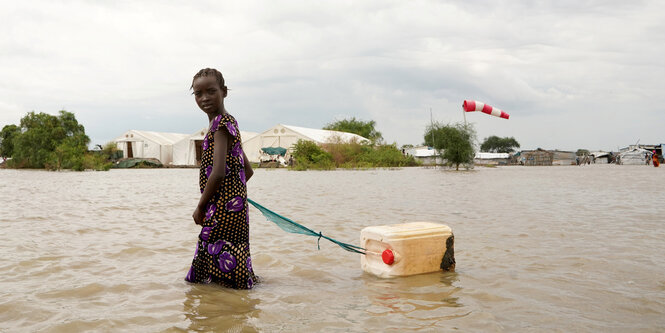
(291, 226)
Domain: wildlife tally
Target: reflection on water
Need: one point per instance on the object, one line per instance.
(426, 298)
(212, 308)
(537, 249)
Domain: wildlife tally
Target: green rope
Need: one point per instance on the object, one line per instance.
(289, 225)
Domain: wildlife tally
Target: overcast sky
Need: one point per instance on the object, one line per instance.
(571, 73)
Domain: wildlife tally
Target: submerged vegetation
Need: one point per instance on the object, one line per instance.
(454, 142)
(44, 141)
(352, 155)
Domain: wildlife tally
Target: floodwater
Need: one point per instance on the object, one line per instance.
(538, 249)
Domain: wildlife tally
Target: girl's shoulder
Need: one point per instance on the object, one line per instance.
(223, 118)
(227, 121)
(229, 118)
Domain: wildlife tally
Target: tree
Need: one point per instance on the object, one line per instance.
(7, 136)
(454, 142)
(582, 152)
(495, 144)
(363, 128)
(55, 142)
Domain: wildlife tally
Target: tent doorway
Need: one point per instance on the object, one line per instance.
(130, 153)
(199, 151)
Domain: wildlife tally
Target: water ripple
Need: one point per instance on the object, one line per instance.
(537, 249)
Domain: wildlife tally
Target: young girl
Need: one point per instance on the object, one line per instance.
(222, 252)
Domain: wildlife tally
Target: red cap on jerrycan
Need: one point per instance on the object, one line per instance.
(388, 257)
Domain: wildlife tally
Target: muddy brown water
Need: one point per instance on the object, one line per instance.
(537, 249)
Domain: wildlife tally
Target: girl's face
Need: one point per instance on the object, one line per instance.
(208, 95)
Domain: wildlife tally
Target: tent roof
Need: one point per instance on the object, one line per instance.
(165, 138)
(200, 134)
(247, 135)
(162, 138)
(323, 136)
(599, 153)
(636, 152)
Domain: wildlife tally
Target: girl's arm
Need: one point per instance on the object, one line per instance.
(216, 176)
(248, 167)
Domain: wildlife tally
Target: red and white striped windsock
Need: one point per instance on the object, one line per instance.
(470, 106)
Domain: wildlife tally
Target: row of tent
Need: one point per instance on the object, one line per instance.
(185, 149)
(430, 156)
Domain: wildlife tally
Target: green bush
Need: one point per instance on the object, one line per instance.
(309, 155)
(51, 142)
(387, 156)
(111, 152)
(69, 154)
(96, 162)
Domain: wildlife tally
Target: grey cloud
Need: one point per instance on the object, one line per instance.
(560, 68)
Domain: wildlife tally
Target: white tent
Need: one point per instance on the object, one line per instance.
(188, 150)
(491, 158)
(286, 136)
(426, 155)
(145, 144)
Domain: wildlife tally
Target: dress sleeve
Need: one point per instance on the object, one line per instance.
(225, 122)
(216, 123)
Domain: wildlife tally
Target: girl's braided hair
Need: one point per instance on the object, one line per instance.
(208, 72)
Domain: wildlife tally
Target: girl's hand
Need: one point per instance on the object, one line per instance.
(198, 216)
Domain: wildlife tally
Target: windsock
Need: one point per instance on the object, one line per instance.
(470, 106)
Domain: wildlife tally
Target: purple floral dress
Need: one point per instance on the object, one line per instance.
(222, 253)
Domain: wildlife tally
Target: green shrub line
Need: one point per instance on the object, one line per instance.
(308, 155)
(44, 141)
(57, 142)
